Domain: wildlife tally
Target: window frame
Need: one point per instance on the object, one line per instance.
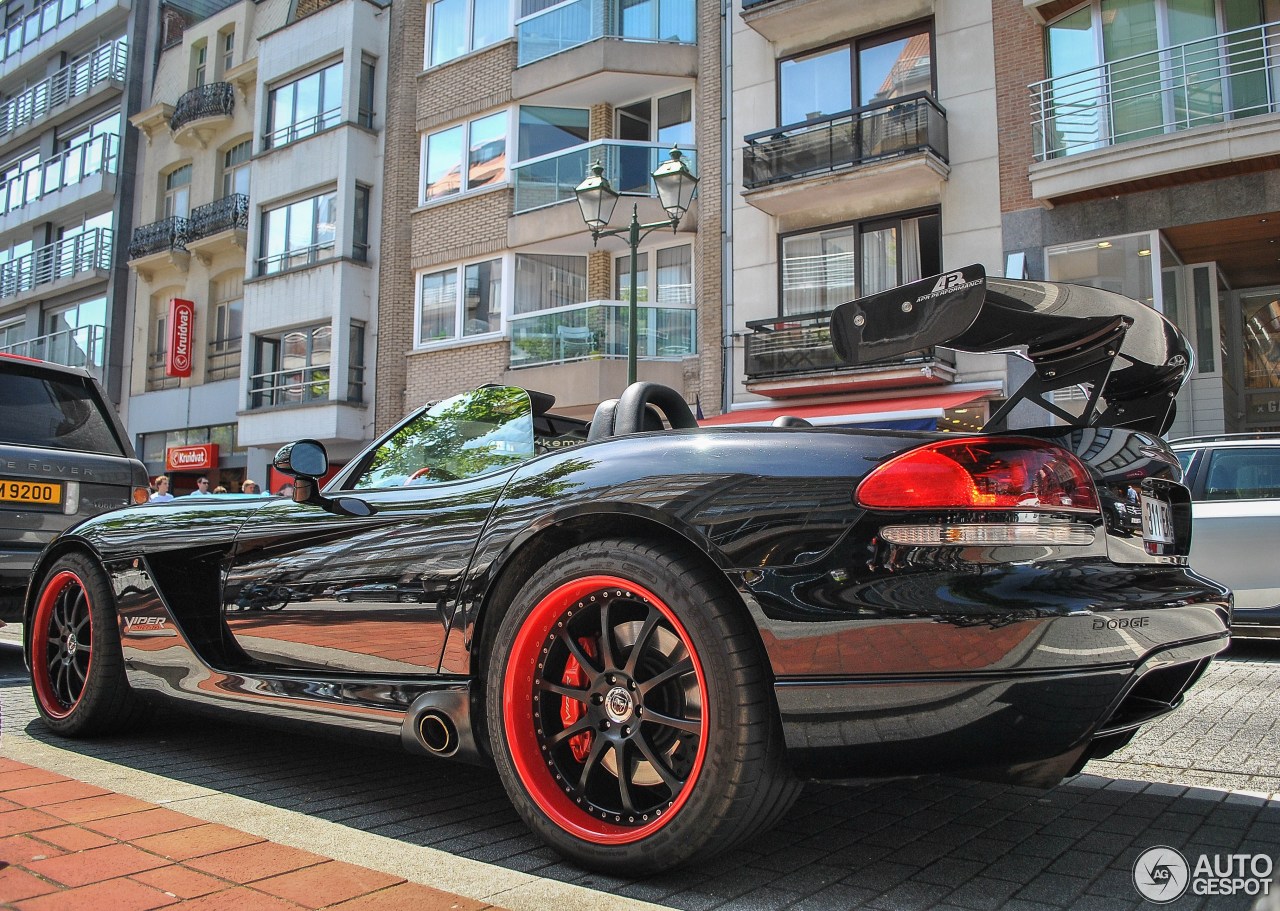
(464, 162)
(459, 335)
(316, 123)
(469, 32)
(650, 287)
(261, 265)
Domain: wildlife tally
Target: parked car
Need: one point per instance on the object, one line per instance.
(381, 591)
(655, 631)
(64, 456)
(1235, 492)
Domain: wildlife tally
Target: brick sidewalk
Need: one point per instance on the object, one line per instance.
(67, 845)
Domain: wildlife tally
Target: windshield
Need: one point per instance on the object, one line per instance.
(463, 437)
(55, 412)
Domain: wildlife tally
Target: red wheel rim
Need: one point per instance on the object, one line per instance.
(61, 644)
(642, 698)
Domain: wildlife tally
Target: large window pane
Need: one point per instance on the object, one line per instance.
(818, 270)
(491, 23)
(448, 30)
(1129, 30)
(545, 130)
(816, 85)
(444, 164)
(879, 260)
(1119, 264)
(487, 156)
(482, 305)
(439, 305)
(894, 69)
(675, 277)
(543, 282)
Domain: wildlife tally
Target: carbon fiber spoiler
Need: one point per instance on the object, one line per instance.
(1131, 359)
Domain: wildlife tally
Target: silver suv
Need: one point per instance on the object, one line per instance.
(1235, 493)
(64, 456)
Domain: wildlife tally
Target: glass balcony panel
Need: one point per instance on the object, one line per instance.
(40, 22)
(289, 387)
(63, 259)
(551, 179)
(568, 25)
(79, 347)
(600, 329)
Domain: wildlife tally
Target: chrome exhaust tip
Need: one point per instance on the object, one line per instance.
(439, 723)
(438, 733)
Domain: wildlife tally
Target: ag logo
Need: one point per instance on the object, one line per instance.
(1160, 874)
(948, 281)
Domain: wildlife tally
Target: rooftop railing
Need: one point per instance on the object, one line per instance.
(77, 78)
(901, 126)
(564, 26)
(45, 19)
(79, 253)
(80, 347)
(550, 179)
(221, 215)
(1211, 80)
(99, 155)
(217, 99)
(167, 234)
(599, 329)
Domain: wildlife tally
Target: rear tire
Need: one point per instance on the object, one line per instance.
(77, 668)
(629, 713)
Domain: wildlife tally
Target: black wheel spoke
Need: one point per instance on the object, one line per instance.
(80, 672)
(680, 724)
(624, 776)
(587, 663)
(581, 726)
(592, 760)
(668, 777)
(560, 689)
(676, 670)
(606, 638)
(642, 641)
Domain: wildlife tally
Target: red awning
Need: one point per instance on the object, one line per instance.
(898, 408)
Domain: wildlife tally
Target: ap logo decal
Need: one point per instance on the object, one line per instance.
(1160, 874)
(948, 281)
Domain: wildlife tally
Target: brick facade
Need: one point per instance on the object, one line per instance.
(466, 87)
(707, 249)
(1019, 62)
(438, 374)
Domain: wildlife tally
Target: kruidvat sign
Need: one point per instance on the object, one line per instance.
(191, 458)
(182, 317)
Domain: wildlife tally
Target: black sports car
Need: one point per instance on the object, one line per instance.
(653, 630)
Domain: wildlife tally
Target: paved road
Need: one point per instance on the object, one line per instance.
(1203, 780)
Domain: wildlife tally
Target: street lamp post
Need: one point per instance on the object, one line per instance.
(675, 184)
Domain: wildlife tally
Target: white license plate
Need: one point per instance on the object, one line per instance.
(1157, 520)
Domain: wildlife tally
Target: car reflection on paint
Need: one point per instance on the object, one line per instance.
(266, 597)
(388, 591)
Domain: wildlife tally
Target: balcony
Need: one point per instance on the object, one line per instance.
(550, 179)
(201, 112)
(84, 346)
(39, 31)
(568, 25)
(160, 247)
(296, 258)
(158, 373)
(599, 329)
(83, 174)
(1194, 106)
(218, 227)
(901, 144)
(301, 385)
(794, 24)
(222, 360)
(66, 265)
(79, 80)
(793, 355)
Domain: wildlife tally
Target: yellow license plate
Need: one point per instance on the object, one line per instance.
(37, 493)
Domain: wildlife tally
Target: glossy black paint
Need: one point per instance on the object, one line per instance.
(887, 659)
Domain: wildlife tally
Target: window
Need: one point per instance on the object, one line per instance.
(20, 180)
(544, 282)
(235, 168)
(298, 234)
(447, 170)
(364, 114)
(12, 333)
(671, 286)
(77, 333)
(668, 120)
(151, 446)
(546, 130)
(455, 27)
(199, 64)
(1120, 264)
(87, 148)
(226, 321)
(291, 367)
(228, 49)
(177, 192)
(360, 228)
(158, 347)
(825, 268)
(873, 70)
(460, 301)
(304, 107)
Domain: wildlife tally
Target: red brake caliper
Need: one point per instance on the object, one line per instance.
(571, 710)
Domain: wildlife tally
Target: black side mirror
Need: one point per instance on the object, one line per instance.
(304, 459)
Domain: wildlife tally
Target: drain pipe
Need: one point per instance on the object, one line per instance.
(726, 206)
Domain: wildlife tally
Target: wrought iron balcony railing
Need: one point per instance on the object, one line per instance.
(599, 329)
(77, 78)
(223, 360)
(221, 215)
(217, 99)
(45, 19)
(1211, 80)
(80, 347)
(912, 123)
(63, 259)
(100, 155)
(564, 26)
(550, 179)
(167, 234)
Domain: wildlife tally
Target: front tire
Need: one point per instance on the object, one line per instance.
(629, 712)
(77, 669)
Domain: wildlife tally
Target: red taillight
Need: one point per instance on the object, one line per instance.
(996, 473)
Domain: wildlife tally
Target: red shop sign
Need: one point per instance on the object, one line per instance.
(191, 458)
(182, 318)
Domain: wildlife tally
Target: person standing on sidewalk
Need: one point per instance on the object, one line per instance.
(202, 488)
(161, 493)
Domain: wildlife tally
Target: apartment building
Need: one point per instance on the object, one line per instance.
(864, 157)
(497, 111)
(255, 313)
(1140, 152)
(67, 83)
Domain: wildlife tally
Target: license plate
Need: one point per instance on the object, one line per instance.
(1157, 520)
(36, 493)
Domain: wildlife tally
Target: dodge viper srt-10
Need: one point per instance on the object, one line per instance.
(654, 630)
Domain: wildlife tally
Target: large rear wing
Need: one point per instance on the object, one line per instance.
(1130, 359)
